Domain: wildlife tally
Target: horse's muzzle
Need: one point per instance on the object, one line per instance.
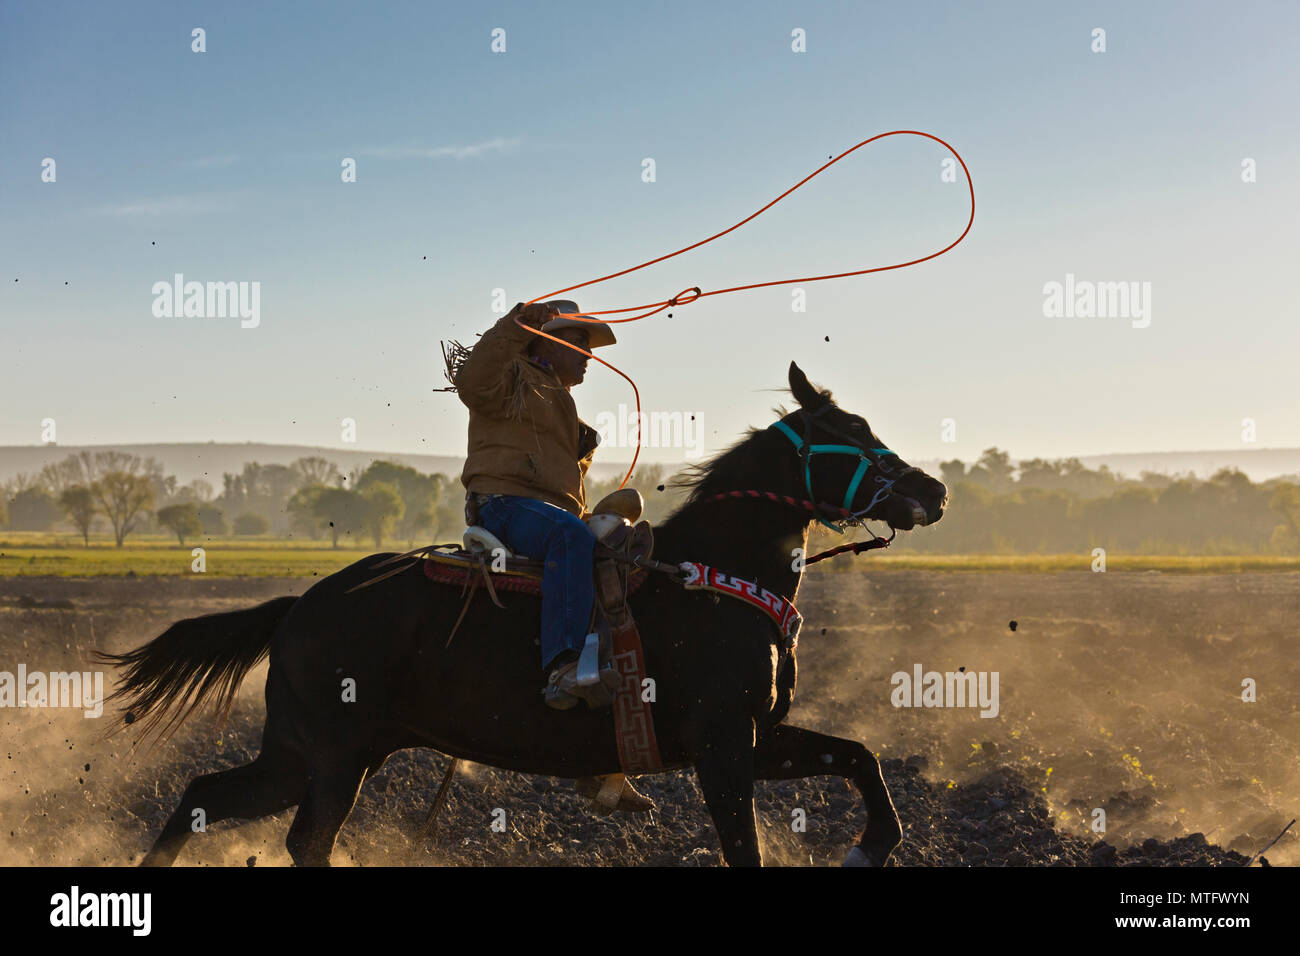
(921, 516)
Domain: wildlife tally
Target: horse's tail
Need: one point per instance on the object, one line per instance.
(167, 679)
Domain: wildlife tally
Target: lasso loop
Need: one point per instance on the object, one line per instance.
(653, 308)
(678, 300)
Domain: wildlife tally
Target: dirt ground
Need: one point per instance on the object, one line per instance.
(1119, 692)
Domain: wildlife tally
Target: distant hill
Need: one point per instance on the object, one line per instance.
(191, 460)
(1258, 464)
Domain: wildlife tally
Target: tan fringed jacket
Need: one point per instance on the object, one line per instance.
(525, 437)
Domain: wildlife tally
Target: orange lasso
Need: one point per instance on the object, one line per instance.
(693, 294)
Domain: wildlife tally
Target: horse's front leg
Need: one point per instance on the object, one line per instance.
(724, 767)
(789, 753)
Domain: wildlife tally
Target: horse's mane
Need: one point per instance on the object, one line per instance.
(702, 477)
(728, 469)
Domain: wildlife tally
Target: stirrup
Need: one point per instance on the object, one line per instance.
(557, 699)
(589, 662)
(563, 688)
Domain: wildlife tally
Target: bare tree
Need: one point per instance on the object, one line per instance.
(123, 497)
(106, 461)
(78, 502)
(89, 470)
(65, 474)
(23, 481)
(315, 471)
(200, 490)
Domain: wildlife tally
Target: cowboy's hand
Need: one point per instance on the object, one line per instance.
(535, 315)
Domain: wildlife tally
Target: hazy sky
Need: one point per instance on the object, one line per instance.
(522, 170)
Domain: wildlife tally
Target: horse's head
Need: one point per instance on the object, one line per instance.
(843, 463)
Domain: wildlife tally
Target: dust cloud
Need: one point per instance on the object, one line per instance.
(1116, 691)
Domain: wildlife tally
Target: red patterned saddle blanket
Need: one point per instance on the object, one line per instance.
(458, 568)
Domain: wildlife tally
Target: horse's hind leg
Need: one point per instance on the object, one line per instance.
(331, 794)
(268, 785)
(788, 753)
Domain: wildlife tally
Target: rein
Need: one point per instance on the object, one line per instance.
(857, 547)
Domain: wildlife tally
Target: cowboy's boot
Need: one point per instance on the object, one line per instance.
(567, 685)
(613, 791)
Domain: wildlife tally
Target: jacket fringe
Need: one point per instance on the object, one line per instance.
(454, 355)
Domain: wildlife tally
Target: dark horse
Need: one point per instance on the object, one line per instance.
(723, 687)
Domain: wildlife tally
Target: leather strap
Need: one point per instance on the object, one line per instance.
(634, 728)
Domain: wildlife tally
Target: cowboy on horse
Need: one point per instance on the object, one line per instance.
(724, 667)
(528, 455)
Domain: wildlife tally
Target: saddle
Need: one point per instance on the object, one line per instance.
(620, 545)
(612, 663)
(613, 660)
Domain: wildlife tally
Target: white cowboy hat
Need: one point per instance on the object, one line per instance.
(598, 333)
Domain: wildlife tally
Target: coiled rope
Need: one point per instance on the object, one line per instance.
(694, 293)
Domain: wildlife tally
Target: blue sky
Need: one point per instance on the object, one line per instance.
(522, 170)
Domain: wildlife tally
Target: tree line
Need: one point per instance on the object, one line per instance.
(309, 498)
(996, 505)
(1060, 506)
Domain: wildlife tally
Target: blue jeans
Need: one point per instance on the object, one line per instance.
(535, 529)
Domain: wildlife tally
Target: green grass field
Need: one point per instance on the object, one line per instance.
(23, 553)
(31, 553)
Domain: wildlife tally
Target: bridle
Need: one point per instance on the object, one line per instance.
(883, 460)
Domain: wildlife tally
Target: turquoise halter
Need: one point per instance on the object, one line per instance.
(866, 458)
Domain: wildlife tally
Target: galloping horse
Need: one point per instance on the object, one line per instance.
(723, 680)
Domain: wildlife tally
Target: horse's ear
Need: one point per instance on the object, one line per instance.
(802, 389)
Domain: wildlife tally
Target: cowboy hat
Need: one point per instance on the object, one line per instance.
(598, 333)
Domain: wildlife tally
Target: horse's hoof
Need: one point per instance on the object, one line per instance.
(858, 857)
